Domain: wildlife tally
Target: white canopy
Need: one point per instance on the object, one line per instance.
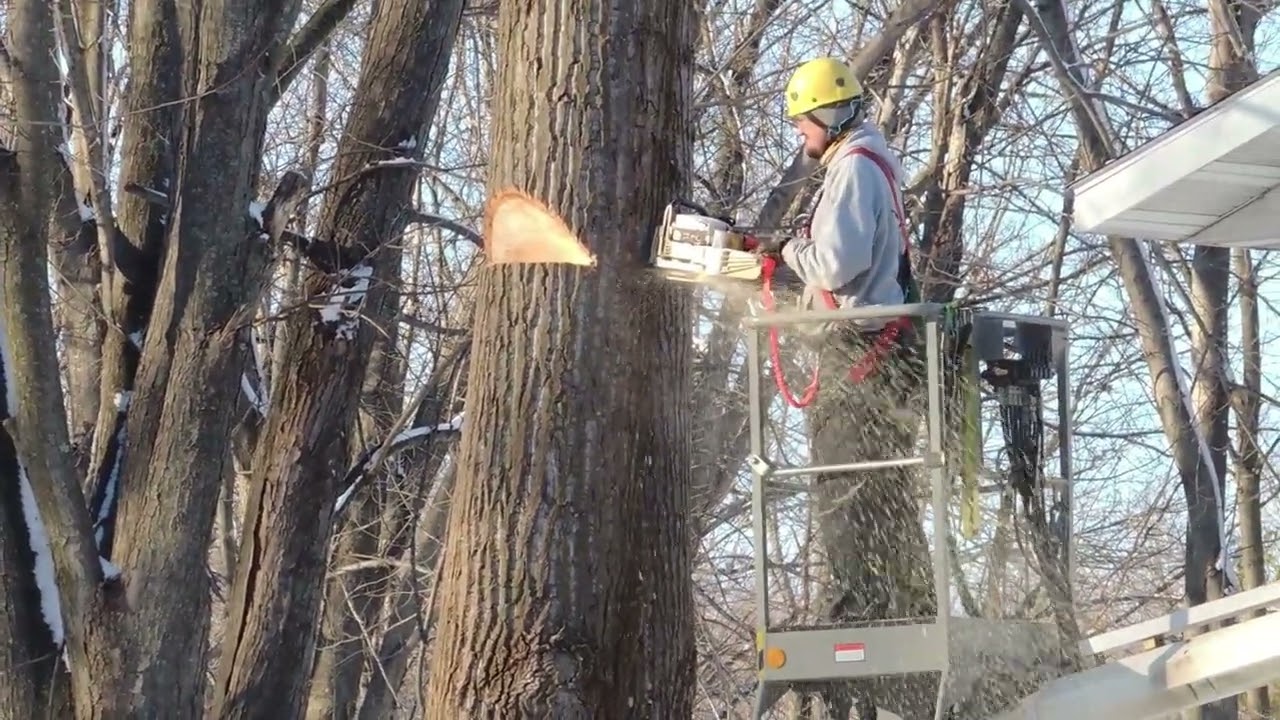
(1213, 180)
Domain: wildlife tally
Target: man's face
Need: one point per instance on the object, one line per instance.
(815, 136)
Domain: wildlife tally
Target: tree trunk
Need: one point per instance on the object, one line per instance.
(1231, 69)
(566, 585)
(354, 598)
(1250, 459)
(187, 379)
(1190, 447)
(150, 137)
(32, 680)
(302, 451)
(36, 418)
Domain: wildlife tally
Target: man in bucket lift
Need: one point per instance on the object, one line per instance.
(856, 253)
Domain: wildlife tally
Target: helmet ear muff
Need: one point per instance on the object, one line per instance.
(839, 117)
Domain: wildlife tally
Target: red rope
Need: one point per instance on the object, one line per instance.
(883, 344)
(767, 267)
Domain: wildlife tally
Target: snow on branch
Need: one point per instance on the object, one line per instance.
(106, 495)
(15, 477)
(342, 310)
(376, 454)
(50, 598)
(10, 407)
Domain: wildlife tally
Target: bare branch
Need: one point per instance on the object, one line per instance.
(313, 34)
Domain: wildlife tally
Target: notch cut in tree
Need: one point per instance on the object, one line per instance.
(520, 229)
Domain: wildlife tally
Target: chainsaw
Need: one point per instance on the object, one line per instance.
(692, 245)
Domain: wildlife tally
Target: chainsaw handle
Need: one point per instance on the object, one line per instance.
(695, 207)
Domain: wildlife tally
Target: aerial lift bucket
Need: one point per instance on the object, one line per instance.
(959, 650)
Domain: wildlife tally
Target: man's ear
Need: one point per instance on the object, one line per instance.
(520, 229)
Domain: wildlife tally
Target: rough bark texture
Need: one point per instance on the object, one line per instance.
(32, 680)
(1250, 458)
(149, 138)
(38, 425)
(188, 378)
(302, 452)
(565, 590)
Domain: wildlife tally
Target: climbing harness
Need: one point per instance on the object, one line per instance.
(886, 338)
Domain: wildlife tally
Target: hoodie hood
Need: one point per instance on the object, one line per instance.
(867, 135)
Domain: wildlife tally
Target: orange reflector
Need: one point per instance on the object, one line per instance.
(775, 657)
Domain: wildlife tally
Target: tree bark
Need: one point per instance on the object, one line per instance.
(187, 380)
(302, 451)
(36, 418)
(1231, 68)
(1250, 459)
(566, 584)
(150, 137)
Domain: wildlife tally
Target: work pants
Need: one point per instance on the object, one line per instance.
(870, 521)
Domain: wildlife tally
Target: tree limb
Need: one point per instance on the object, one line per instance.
(313, 34)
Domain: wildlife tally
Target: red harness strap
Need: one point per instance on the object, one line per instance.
(886, 338)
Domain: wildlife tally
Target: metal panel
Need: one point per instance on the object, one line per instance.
(1165, 680)
(1191, 618)
(845, 653)
(1234, 146)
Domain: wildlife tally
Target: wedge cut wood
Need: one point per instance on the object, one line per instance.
(520, 229)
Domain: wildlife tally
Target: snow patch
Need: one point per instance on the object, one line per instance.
(87, 214)
(256, 209)
(6, 365)
(251, 394)
(454, 425)
(397, 162)
(109, 569)
(345, 300)
(46, 581)
(112, 489)
(136, 337)
(123, 399)
(344, 498)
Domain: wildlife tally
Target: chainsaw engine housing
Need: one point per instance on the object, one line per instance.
(689, 247)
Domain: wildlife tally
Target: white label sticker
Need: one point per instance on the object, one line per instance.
(851, 652)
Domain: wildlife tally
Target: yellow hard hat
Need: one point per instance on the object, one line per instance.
(819, 83)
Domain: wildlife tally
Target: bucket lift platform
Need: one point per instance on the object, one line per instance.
(960, 649)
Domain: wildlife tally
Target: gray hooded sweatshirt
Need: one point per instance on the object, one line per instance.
(855, 243)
